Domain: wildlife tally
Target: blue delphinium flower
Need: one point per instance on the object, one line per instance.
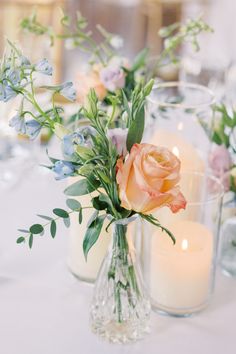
(71, 141)
(67, 90)
(63, 169)
(44, 67)
(9, 93)
(13, 76)
(18, 123)
(33, 128)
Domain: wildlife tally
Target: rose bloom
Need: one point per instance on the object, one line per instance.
(86, 81)
(148, 179)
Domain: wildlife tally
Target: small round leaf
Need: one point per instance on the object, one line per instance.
(20, 239)
(61, 213)
(73, 204)
(36, 229)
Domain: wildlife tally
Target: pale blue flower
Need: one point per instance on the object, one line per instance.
(44, 67)
(67, 90)
(33, 129)
(63, 169)
(6, 92)
(13, 76)
(71, 141)
(18, 123)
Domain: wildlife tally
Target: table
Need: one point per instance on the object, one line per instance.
(44, 309)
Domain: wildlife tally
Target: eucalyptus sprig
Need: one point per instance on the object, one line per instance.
(177, 34)
(77, 36)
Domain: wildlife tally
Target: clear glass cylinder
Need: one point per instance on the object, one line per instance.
(179, 116)
(228, 237)
(180, 276)
(120, 307)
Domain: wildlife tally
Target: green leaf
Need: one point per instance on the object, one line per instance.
(20, 239)
(67, 222)
(73, 204)
(136, 129)
(80, 216)
(92, 234)
(81, 187)
(140, 59)
(84, 152)
(98, 204)
(36, 229)
(24, 231)
(31, 239)
(53, 228)
(45, 217)
(60, 212)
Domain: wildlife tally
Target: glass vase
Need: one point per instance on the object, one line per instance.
(179, 117)
(180, 276)
(228, 237)
(120, 306)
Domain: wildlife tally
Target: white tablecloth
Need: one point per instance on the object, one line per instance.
(44, 309)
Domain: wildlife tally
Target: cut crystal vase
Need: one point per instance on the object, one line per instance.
(120, 308)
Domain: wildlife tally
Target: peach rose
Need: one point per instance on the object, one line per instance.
(148, 179)
(87, 81)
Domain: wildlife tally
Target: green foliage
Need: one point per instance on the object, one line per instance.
(53, 228)
(82, 187)
(177, 34)
(92, 234)
(60, 212)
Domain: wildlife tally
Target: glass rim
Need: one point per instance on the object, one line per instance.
(217, 195)
(189, 85)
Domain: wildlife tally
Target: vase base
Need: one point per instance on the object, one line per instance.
(124, 332)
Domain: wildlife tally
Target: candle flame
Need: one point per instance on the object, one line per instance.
(175, 151)
(184, 245)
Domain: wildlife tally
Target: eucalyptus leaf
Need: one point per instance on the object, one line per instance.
(92, 234)
(80, 216)
(45, 217)
(31, 239)
(36, 229)
(66, 222)
(81, 187)
(20, 239)
(60, 212)
(73, 204)
(53, 228)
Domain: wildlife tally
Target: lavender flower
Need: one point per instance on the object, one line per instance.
(112, 77)
(118, 137)
(71, 141)
(33, 128)
(13, 76)
(67, 90)
(63, 169)
(44, 67)
(18, 123)
(6, 93)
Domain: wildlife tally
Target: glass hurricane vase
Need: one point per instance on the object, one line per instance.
(120, 306)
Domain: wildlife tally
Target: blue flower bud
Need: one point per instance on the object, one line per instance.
(63, 169)
(44, 67)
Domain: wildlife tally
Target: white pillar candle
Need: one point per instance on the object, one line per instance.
(180, 273)
(86, 270)
(188, 155)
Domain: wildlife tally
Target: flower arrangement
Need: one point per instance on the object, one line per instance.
(132, 179)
